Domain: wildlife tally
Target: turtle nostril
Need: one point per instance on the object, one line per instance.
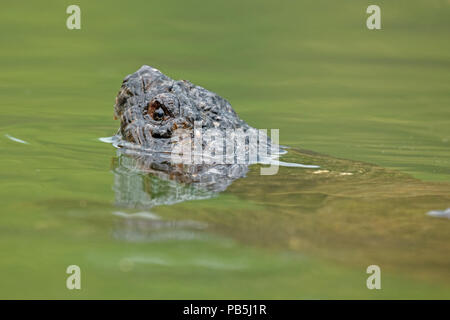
(158, 114)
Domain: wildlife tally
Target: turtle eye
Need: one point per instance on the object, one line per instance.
(158, 114)
(157, 111)
(162, 107)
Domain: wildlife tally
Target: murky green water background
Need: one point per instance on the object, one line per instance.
(309, 68)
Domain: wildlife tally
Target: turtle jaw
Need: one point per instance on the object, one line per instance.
(148, 133)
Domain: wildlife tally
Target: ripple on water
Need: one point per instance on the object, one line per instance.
(439, 213)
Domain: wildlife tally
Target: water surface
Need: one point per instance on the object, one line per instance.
(373, 104)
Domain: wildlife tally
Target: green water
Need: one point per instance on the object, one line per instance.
(309, 68)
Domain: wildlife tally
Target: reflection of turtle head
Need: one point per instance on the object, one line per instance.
(147, 180)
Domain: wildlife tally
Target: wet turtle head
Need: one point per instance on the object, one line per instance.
(152, 106)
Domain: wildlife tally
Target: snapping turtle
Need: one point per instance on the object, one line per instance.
(348, 211)
(159, 115)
